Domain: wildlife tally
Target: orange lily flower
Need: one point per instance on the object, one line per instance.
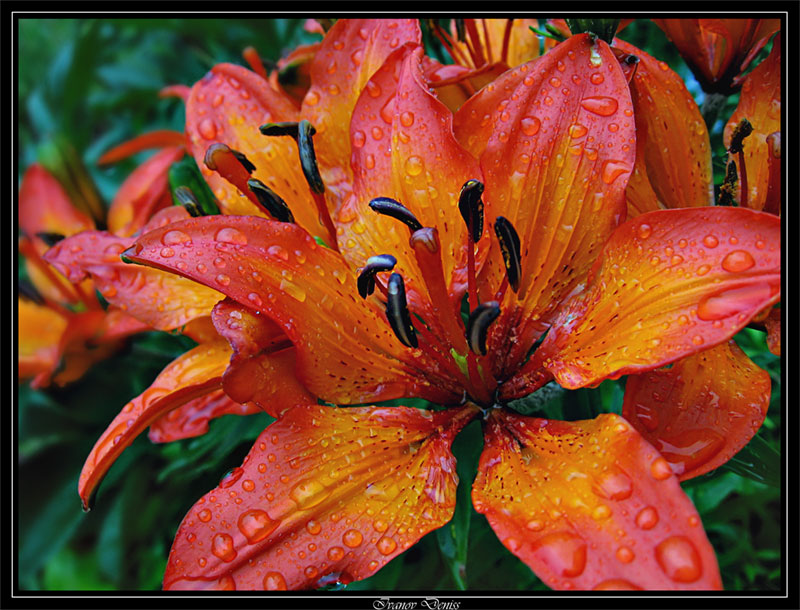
(541, 157)
(719, 50)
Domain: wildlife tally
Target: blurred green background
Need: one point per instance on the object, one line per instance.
(96, 82)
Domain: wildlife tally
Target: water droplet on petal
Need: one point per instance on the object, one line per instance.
(278, 252)
(256, 525)
(563, 552)
(167, 252)
(386, 545)
(230, 235)
(616, 584)
(309, 493)
(737, 261)
(691, 449)
(644, 231)
(727, 303)
(597, 78)
(679, 559)
(335, 553)
(204, 515)
(414, 166)
(530, 125)
(647, 518)
(600, 105)
(660, 469)
(352, 538)
(613, 170)
(625, 555)
(207, 129)
(222, 547)
(173, 238)
(274, 581)
(614, 485)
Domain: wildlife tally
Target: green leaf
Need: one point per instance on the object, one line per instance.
(758, 461)
(185, 173)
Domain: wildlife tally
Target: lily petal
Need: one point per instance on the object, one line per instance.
(667, 285)
(143, 193)
(671, 136)
(326, 495)
(773, 324)
(760, 104)
(44, 207)
(39, 333)
(193, 374)
(350, 54)
(191, 419)
(404, 148)
(590, 505)
(346, 351)
(162, 138)
(556, 145)
(702, 411)
(262, 368)
(159, 299)
(227, 106)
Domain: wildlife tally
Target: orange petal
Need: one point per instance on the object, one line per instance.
(262, 368)
(326, 495)
(162, 138)
(227, 106)
(346, 351)
(773, 324)
(45, 208)
(347, 58)
(193, 374)
(590, 505)
(191, 419)
(671, 135)
(702, 411)
(667, 285)
(404, 149)
(83, 343)
(759, 103)
(40, 329)
(556, 146)
(138, 197)
(159, 299)
(54, 287)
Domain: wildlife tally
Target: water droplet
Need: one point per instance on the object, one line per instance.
(407, 118)
(309, 493)
(248, 485)
(312, 98)
(293, 290)
(601, 512)
(230, 235)
(647, 415)
(414, 166)
(613, 170)
(577, 131)
(223, 279)
(660, 469)
(274, 581)
(679, 559)
(335, 553)
(616, 584)
(256, 525)
(647, 518)
(530, 125)
(167, 252)
(563, 552)
(625, 555)
(597, 78)
(352, 538)
(173, 238)
(359, 139)
(727, 303)
(600, 105)
(614, 485)
(278, 252)
(222, 547)
(738, 261)
(377, 133)
(644, 231)
(204, 515)
(386, 545)
(710, 241)
(201, 268)
(207, 129)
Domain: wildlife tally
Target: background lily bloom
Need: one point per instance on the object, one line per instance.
(390, 240)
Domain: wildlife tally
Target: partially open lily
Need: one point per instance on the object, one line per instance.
(516, 202)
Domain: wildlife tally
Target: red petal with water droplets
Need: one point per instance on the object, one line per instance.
(159, 299)
(346, 350)
(40, 329)
(590, 505)
(142, 193)
(668, 284)
(325, 495)
(556, 144)
(192, 419)
(193, 374)
(346, 59)
(671, 136)
(154, 139)
(404, 148)
(262, 368)
(702, 411)
(759, 103)
(227, 106)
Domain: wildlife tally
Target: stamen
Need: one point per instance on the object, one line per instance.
(397, 312)
(395, 209)
(773, 200)
(375, 264)
(286, 128)
(308, 158)
(743, 129)
(728, 188)
(478, 325)
(231, 165)
(186, 198)
(51, 239)
(510, 247)
(270, 201)
(470, 204)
